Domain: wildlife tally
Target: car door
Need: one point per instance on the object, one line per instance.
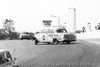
(50, 35)
(43, 36)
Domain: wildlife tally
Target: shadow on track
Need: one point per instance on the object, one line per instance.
(72, 43)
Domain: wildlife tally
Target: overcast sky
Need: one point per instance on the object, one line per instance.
(28, 14)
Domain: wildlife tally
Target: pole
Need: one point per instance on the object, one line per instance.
(58, 21)
(74, 19)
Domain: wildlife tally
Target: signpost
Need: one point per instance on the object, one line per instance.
(47, 23)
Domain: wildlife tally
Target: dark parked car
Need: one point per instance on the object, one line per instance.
(97, 27)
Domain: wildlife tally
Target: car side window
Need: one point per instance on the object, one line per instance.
(47, 31)
(50, 31)
(61, 31)
(44, 31)
(9, 56)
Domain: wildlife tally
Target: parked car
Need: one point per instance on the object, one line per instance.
(27, 35)
(6, 59)
(54, 35)
(97, 27)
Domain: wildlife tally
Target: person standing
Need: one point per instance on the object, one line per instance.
(89, 26)
(83, 29)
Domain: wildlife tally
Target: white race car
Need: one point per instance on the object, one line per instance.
(54, 35)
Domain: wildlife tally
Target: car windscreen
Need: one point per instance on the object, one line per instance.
(61, 31)
(2, 61)
(8, 56)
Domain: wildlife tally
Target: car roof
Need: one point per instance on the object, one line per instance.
(54, 28)
(1, 50)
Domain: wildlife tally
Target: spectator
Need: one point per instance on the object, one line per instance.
(83, 29)
(89, 26)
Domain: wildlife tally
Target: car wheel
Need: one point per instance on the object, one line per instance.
(33, 38)
(15, 66)
(36, 41)
(48, 43)
(28, 39)
(68, 42)
(55, 41)
(21, 38)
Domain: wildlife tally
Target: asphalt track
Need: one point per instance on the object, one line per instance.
(77, 54)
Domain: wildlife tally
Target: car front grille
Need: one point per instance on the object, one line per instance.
(70, 37)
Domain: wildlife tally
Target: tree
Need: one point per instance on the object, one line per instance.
(13, 35)
(9, 28)
(3, 34)
(8, 25)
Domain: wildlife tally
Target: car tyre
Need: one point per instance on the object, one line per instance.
(36, 41)
(22, 39)
(15, 66)
(55, 41)
(48, 43)
(68, 42)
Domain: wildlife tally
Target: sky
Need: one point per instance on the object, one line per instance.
(28, 14)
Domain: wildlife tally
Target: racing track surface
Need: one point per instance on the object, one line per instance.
(61, 55)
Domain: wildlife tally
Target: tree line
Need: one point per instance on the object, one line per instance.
(8, 31)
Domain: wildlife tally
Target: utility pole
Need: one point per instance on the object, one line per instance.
(74, 19)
